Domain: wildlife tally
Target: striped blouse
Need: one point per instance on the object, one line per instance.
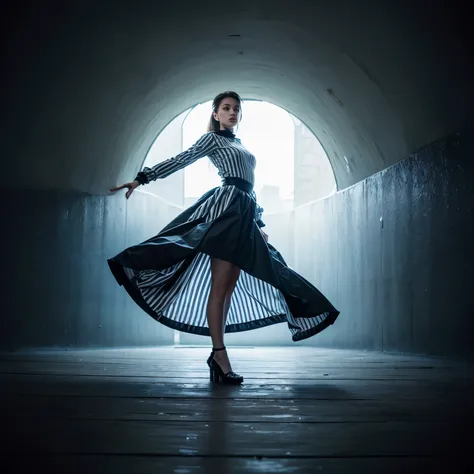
(226, 153)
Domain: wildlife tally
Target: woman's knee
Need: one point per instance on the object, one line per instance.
(222, 277)
(235, 273)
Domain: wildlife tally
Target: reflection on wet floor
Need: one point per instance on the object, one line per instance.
(299, 410)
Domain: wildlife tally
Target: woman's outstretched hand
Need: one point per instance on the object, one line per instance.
(130, 186)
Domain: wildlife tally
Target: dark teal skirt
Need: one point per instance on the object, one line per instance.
(169, 275)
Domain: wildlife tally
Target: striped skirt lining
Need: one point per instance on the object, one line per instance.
(182, 305)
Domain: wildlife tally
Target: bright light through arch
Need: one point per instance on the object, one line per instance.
(292, 167)
(266, 130)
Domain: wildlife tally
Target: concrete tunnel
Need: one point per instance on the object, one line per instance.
(386, 87)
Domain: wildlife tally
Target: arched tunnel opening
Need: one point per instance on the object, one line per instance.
(292, 171)
(293, 168)
(94, 92)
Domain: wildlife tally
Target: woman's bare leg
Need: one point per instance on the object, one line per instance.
(224, 279)
(234, 277)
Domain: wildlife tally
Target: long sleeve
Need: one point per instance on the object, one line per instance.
(203, 147)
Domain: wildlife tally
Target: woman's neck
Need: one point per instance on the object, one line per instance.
(225, 133)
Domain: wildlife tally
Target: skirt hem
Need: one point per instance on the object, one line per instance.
(221, 224)
(122, 280)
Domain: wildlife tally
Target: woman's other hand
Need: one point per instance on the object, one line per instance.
(130, 186)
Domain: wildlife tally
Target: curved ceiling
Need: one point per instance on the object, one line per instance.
(89, 87)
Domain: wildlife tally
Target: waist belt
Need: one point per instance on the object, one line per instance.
(240, 183)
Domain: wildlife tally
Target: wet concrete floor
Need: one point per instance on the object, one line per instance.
(299, 410)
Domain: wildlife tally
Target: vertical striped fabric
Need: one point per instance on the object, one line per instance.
(182, 304)
(228, 155)
(177, 296)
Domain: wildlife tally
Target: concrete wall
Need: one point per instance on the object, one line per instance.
(395, 254)
(87, 88)
(59, 289)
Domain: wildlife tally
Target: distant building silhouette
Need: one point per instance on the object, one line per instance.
(314, 177)
(313, 174)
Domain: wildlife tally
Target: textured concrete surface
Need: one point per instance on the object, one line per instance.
(59, 289)
(394, 253)
(300, 410)
(87, 87)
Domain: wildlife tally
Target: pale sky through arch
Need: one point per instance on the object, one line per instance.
(266, 130)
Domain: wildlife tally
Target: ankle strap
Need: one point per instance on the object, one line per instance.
(218, 349)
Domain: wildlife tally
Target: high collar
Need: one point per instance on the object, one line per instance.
(225, 133)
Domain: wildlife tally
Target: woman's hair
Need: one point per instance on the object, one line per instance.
(213, 125)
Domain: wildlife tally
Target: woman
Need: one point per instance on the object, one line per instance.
(215, 252)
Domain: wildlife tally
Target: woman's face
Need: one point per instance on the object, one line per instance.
(228, 114)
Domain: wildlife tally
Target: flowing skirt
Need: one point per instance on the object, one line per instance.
(169, 275)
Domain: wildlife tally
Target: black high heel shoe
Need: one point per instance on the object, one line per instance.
(216, 374)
